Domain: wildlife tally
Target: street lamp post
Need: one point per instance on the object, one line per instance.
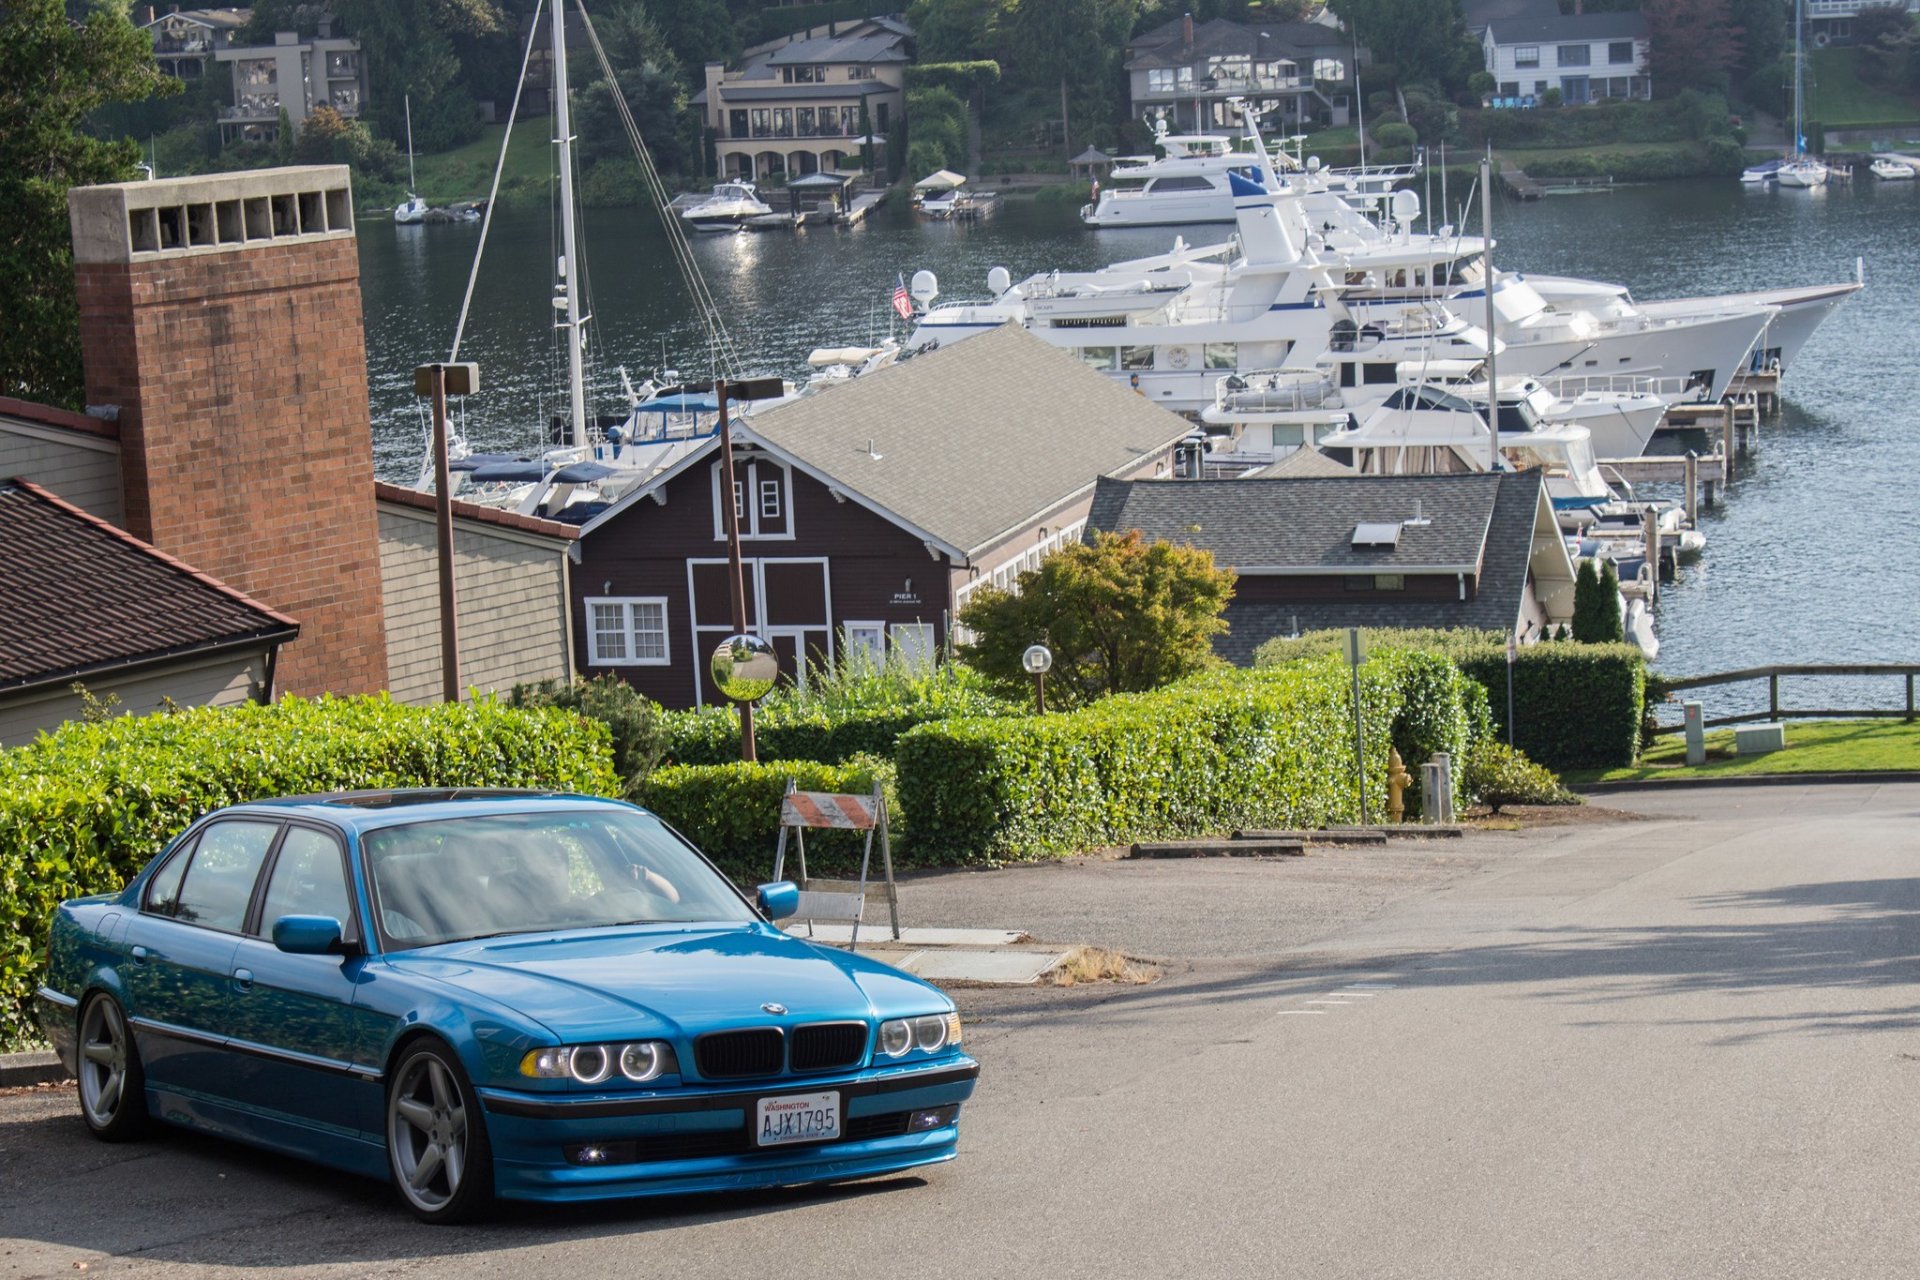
(1038, 660)
(1513, 656)
(440, 381)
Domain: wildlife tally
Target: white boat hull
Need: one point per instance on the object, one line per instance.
(1799, 312)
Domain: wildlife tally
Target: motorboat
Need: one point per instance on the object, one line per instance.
(1892, 170)
(1761, 174)
(728, 208)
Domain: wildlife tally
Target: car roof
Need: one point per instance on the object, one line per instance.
(370, 810)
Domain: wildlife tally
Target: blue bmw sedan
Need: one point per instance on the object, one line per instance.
(540, 997)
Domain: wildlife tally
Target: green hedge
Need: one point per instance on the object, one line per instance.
(83, 809)
(732, 811)
(828, 731)
(1223, 750)
(1575, 706)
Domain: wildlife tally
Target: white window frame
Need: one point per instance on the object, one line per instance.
(1006, 574)
(629, 632)
(750, 501)
(896, 647)
(870, 636)
(770, 489)
(1526, 55)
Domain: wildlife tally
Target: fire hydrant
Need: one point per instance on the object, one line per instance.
(1398, 780)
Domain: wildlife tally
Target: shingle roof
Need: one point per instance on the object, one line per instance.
(83, 596)
(1306, 525)
(1544, 28)
(421, 500)
(1301, 462)
(1165, 45)
(882, 46)
(975, 439)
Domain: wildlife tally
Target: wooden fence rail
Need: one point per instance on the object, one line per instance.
(1772, 675)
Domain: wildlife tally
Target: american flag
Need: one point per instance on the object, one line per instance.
(902, 302)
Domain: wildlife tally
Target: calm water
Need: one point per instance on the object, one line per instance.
(1810, 561)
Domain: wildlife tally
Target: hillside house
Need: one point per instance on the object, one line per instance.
(1587, 57)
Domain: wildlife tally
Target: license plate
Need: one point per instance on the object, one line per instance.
(797, 1117)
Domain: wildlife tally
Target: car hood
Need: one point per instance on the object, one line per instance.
(636, 982)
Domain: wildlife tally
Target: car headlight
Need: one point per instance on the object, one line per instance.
(638, 1061)
(929, 1034)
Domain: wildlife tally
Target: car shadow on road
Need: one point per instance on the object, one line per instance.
(185, 1198)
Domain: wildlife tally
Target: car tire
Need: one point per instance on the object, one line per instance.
(437, 1149)
(110, 1080)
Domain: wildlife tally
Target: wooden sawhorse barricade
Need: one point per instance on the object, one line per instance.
(836, 901)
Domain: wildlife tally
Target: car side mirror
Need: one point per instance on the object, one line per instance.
(779, 899)
(308, 935)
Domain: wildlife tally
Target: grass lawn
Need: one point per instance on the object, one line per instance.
(1838, 98)
(1813, 746)
(465, 173)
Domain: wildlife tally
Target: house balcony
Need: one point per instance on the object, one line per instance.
(253, 107)
(1227, 87)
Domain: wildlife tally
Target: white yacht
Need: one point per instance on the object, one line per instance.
(1892, 170)
(727, 209)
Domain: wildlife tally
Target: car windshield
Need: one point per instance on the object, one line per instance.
(455, 878)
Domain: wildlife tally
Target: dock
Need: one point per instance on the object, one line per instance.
(863, 204)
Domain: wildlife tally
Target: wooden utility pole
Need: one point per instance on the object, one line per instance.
(438, 381)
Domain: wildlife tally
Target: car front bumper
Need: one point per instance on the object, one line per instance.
(691, 1140)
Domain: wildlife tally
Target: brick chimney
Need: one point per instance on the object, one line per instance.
(222, 315)
(1186, 31)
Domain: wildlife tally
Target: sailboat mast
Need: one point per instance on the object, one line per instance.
(569, 264)
(1799, 80)
(412, 186)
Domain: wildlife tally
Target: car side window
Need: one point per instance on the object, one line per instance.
(219, 881)
(163, 890)
(309, 878)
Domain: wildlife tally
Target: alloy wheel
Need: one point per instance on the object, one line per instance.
(103, 1062)
(427, 1132)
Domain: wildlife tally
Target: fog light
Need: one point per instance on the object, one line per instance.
(591, 1155)
(938, 1118)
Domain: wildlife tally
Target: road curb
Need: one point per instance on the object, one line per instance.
(18, 1069)
(1219, 849)
(1746, 780)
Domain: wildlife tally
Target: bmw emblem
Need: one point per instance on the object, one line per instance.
(775, 1009)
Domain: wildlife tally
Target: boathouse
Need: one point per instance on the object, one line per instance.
(1313, 552)
(869, 513)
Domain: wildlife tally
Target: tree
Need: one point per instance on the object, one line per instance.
(1596, 605)
(953, 30)
(1694, 44)
(1419, 39)
(1073, 48)
(1120, 614)
(649, 75)
(1884, 35)
(53, 74)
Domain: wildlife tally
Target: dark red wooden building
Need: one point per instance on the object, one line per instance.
(868, 513)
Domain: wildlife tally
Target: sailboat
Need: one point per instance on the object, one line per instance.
(1803, 170)
(413, 209)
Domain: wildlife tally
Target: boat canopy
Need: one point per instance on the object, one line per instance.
(941, 180)
(679, 404)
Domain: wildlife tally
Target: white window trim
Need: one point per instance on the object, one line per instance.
(746, 475)
(754, 570)
(627, 602)
(1008, 571)
(874, 626)
(894, 647)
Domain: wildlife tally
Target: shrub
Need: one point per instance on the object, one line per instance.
(1218, 751)
(1498, 775)
(1394, 135)
(635, 723)
(732, 811)
(1576, 706)
(81, 810)
(1121, 615)
(849, 711)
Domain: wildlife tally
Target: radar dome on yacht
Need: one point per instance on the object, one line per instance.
(1313, 164)
(926, 287)
(1406, 206)
(998, 280)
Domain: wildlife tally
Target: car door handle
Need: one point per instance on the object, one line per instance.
(243, 979)
(139, 955)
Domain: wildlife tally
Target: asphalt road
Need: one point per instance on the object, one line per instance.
(1683, 1045)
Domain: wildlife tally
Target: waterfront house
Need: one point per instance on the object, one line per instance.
(1587, 57)
(794, 107)
(1312, 552)
(1298, 73)
(869, 513)
(184, 39)
(90, 604)
(294, 74)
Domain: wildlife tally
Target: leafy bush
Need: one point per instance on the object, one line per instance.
(845, 712)
(635, 723)
(1222, 750)
(732, 811)
(81, 810)
(1498, 775)
(1394, 135)
(1576, 706)
(1596, 608)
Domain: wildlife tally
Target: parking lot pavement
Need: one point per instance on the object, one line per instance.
(1678, 1046)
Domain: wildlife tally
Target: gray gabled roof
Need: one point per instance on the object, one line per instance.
(1165, 45)
(1548, 28)
(973, 441)
(871, 47)
(1305, 524)
(1304, 527)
